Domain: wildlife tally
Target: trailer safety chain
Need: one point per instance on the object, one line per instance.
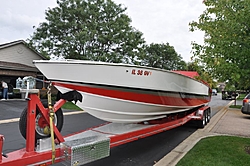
(51, 119)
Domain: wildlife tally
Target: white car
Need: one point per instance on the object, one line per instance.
(214, 92)
(245, 109)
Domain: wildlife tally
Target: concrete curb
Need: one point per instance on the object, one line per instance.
(173, 157)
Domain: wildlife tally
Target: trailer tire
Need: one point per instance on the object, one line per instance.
(202, 123)
(39, 135)
(208, 115)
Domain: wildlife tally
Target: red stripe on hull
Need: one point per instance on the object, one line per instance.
(138, 97)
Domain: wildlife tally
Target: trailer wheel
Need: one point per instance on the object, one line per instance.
(40, 122)
(208, 115)
(202, 123)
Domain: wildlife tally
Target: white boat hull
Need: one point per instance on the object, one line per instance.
(123, 111)
(125, 93)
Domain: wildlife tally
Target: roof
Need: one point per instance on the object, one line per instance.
(17, 66)
(5, 45)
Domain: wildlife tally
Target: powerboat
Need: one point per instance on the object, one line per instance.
(124, 93)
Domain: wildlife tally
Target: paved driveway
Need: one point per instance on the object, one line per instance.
(11, 108)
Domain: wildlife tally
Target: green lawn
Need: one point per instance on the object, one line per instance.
(219, 151)
(241, 97)
(71, 106)
(235, 106)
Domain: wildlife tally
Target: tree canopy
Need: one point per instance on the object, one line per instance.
(163, 56)
(203, 74)
(99, 30)
(88, 29)
(226, 51)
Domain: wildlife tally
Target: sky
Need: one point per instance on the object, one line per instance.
(160, 21)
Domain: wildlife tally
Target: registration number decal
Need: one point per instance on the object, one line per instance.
(141, 72)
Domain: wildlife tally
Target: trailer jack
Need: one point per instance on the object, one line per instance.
(29, 155)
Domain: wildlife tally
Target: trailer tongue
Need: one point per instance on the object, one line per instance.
(89, 145)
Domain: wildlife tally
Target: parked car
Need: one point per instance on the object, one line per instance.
(245, 109)
(214, 92)
(229, 95)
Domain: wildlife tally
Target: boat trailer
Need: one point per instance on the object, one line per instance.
(91, 144)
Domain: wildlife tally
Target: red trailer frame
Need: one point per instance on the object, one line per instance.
(29, 155)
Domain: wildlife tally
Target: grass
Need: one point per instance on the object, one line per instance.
(235, 106)
(241, 97)
(219, 151)
(71, 106)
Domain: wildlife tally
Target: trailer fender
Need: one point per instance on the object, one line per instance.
(205, 115)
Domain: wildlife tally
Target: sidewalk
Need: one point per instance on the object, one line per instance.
(227, 121)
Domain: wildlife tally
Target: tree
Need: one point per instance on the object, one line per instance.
(88, 30)
(225, 52)
(163, 56)
(203, 74)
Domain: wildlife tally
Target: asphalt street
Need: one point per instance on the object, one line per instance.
(144, 152)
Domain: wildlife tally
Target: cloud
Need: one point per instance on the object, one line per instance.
(165, 21)
(19, 16)
(18, 22)
(160, 21)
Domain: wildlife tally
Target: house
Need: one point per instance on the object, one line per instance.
(16, 60)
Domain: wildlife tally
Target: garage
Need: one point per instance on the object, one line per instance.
(16, 60)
